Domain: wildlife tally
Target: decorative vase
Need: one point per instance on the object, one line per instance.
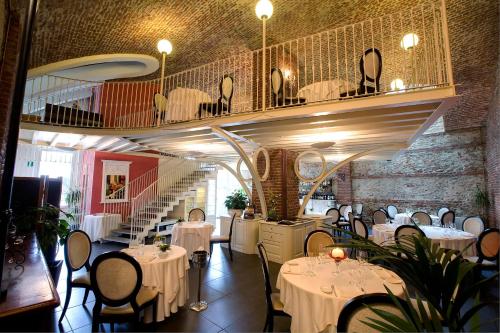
(238, 212)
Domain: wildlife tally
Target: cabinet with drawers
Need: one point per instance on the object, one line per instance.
(284, 242)
(245, 234)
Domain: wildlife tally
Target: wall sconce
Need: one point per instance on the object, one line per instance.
(397, 84)
(409, 41)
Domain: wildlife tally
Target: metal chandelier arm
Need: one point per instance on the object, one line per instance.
(226, 136)
(340, 165)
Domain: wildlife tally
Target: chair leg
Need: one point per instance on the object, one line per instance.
(266, 325)
(95, 324)
(271, 323)
(211, 250)
(230, 251)
(87, 290)
(66, 302)
(154, 310)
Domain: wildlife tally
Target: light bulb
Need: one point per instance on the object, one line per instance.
(409, 41)
(264, 9)
(397, 84)
(164, 46)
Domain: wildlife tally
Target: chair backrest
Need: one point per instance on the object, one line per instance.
(160, 102)
(116, 279)
(392, 211)
(277, 86)
(441, 211)
(371, 68)
(422, 217)
(404, 232)
(355, 311)
(488, 244)
(347, 210)
(265, 270)
(231, 227)
(342, 209)
(314, 240)
(77, 250)
(196, 214)
(360, 228)
(379, 217)
(358, 208)
(474, 225)
(447, 218)
(226, 89)
(334, 214)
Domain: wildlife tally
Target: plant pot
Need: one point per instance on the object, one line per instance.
(238, 212)
(55, 270)
(50, 254)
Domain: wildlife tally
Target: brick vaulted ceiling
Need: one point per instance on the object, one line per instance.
(201, 30)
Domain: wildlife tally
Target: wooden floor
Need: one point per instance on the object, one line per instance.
(234, 291)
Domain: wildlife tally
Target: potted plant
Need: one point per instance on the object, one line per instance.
(272, 211)
(441, 278)
(482, 202)
(236, 202)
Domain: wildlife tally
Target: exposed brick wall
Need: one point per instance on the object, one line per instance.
(492, 152)
(282, 181)
(441, 169)
(8, 63)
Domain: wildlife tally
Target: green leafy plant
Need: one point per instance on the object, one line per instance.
(236, 200)
(482, 201)
(52, 223)
(164, 247)
(440, 277)
(272, 211)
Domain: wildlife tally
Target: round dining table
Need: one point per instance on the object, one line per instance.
(447, 238)
(314, 300)
(167, 274)
(192, 236)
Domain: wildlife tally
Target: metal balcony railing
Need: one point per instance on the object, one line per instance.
(412, 46)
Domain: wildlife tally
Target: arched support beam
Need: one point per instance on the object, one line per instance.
(340, 165)
(226, 136)
(237, 176)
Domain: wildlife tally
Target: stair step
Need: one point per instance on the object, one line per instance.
(116, 239)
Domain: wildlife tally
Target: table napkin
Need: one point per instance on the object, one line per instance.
(292, 269)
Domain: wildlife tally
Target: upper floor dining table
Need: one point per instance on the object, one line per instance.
(192, 236)
(312, 302)
(167, 274)
(447, 238)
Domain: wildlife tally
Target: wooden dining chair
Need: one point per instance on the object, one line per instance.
(379, 216)
(196, 214)
(487, 247)
(77, 250)
(370, 66)
(279, 97)
(422, 217)
(116, 279)
(473, 225)
(223, 239)
(392, 211)
(448, 218)
(313, 241)
(274, 305)
(223, 104)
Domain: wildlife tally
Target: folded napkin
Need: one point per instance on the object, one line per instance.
(292, 269)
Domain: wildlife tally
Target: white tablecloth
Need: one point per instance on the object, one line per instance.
(167, 275)
(405, 218)
(325, 90)
(313, 310)
(100, 226)
(446, 238)
(183, 103)
(192, 236)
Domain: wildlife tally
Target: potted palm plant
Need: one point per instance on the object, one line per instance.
(440, 277)
(236, 202)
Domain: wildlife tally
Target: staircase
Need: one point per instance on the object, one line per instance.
(149, 209)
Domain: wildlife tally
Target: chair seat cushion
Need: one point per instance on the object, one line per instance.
(219, 238)
(81, 278)
(275, 299)
(144, 296)
(484, 262)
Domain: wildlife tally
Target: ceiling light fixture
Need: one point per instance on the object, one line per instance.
(397, 84)
(409, 41)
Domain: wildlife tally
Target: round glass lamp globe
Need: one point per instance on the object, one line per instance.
(264, 9)
(397, 84)
(409, 41)
(164, 46)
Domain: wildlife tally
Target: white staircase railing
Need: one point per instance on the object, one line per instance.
(160, 197)
(413, 45)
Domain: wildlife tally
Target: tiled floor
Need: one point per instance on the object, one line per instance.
(234, 291)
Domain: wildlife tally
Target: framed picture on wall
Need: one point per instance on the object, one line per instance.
(115, 178)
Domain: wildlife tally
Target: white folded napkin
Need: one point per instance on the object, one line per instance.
(292, 269)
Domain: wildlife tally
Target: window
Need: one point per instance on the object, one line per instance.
(56, 164)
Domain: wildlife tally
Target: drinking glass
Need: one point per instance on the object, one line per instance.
(140, 241)
(310, 266)
(321, 253)
(337, 265)
(362, 258)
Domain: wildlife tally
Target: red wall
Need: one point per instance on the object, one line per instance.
(139, 166)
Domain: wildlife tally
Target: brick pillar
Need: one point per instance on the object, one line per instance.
(282, 181)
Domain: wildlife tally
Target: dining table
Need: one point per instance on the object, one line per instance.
(192, 235)
(314, 290)
(99, 226)
(447, 238)
(166, 272)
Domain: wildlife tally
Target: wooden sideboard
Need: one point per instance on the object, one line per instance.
(284, 242)
(245, 233)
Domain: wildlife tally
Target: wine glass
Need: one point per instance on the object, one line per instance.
(140, 241)
(362, 258)
(310, 266)
(321, 253)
